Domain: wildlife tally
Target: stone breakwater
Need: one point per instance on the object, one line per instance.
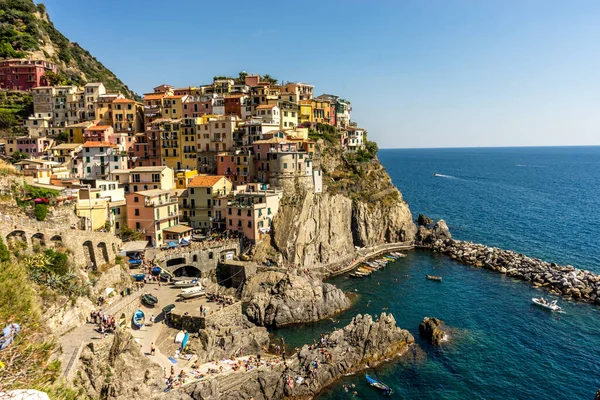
(562, 280)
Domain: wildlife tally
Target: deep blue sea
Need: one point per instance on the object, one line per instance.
(544, 202)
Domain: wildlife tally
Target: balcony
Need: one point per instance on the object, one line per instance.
(157, 203)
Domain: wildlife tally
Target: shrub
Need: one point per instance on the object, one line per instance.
(4, 253)
(40, 211)
(57, 262)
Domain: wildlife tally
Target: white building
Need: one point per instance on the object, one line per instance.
(269, 114)
(100, 158)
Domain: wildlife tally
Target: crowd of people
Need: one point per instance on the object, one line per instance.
(106, 323)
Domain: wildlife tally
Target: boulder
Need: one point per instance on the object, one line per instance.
(278, 299)
(432, 330)
(424, 220)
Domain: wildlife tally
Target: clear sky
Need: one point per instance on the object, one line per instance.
(423, 73)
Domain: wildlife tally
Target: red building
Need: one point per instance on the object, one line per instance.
(233, 104)
(18, 74)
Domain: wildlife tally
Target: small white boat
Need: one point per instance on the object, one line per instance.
(398, 254)
(191, 292)
(186, 283)
(549, 305)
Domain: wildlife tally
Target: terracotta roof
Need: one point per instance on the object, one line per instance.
(99, 144)
(98, 128)
(154, 96)
(205, 180)
(266, 106)
(124, 101)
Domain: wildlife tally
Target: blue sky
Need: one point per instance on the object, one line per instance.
(432, 73)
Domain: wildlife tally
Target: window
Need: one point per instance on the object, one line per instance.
(136, 199)
(137, 225)
(208, 190)
(229, 211)
(155, 177)
(87, 159)
(115, 158)
(284, 165)
(230, 222)
(137, 212)
(89, 170)
(249, 224)
(117, 225)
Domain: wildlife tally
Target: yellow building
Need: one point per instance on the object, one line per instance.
(178, 143)
(306, 111)
(201, 192)
(183, 178)
(173, 106)
(104, 108)
(128, 116)
(75, 131)
(321, 110)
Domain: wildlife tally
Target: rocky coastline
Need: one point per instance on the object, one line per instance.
(562, 280)
(364, 342)
(433, 330)
(278, 299)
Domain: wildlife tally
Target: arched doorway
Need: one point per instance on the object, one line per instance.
(38, 239)
(187, 270)
(56, 240)
(175, 261)
(103, 251)
(90, 256)
(16, 239)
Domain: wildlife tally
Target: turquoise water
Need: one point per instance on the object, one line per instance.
(543, 202)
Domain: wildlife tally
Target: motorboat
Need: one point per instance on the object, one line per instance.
(434, 278)
(192, 292)
(149, 300)
(138, 318)
(376, 383)
(186, 283)
(548, 305)
(395, 253)
(138, 277)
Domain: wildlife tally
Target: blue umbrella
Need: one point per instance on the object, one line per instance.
(172, 244)
(185, 340)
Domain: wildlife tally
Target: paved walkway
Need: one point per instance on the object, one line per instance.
(365, 254)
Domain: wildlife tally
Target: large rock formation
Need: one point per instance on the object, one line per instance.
(278, 299)
(364, 342)
(220, 340)
(359, 207)
(427, 236)
(116, 369)
(432, 330)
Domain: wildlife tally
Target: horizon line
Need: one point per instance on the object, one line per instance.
(488, 147)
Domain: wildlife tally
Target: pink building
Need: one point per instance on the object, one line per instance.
(20, 74)
(197, 106)
(34, 147)
(239, 167)
(150, 212)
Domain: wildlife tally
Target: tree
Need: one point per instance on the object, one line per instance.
(54, 79)
(4, 253)
(40, 211)
(18, 156)
(128, 234)
(270, 79)
(371, 148)
(241, 77)
(62, 137)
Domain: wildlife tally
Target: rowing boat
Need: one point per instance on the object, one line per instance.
(434, 278)
(379, 385)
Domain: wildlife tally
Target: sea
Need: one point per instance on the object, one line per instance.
(540, 201)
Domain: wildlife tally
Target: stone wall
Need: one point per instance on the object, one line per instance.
(88, 248)
(204, 257)
(193, 323)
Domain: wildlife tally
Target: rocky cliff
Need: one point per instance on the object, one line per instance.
(278, 299)
(364, 342)
(432, 329)
(359, 207)
(116, 368)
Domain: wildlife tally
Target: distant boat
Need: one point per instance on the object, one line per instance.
(379, 385)
(139, 318)
(548, 305)
(164, 276)
(149, 299)
(434, 278)
(192, 292)
(436, 174)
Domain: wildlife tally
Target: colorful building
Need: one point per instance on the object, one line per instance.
(99, 159)
(150, 212)
(34, 147)
(144, 178)
(127, 116)
(306, 112)
(201, 193)
(22, 74)
(75, 132)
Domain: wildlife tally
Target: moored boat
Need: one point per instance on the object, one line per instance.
(376, 383)
(186, 283)
(434, 278)
(548, 305)
(138, 318)
(138, 277)
(149, 299)
(192, 292)
(156, 271)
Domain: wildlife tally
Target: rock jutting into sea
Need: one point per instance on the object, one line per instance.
(562, 280)
(278, 299)
(364, 342)
(432, 329)
(426, 236)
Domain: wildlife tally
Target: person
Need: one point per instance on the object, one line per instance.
(152, 349)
